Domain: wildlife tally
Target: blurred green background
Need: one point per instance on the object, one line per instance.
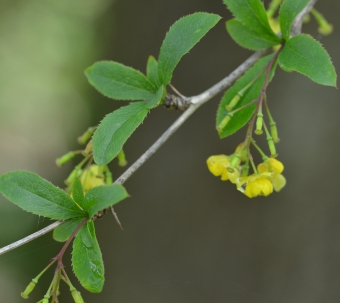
(188, 237)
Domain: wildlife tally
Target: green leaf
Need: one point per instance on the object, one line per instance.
(115, 129)
(78, 192)
(154, 102)
(179, 40)
(241, 117)
(64, 231)
(253, 15)
(307, 56)
(246, 37)
(87, 261)
(117, 81)
(288, 12)
(86, 235)
(101, 197)
(152, 71)
(38, 196)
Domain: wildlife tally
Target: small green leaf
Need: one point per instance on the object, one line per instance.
(38, 196)
(115, 129)
(154, 102)
(101, 197)
(246, 37)
(64, 231)
(288, 12)
(117, 81)
(152, 71)
(307, 56)
(253, 15)
(241, 117)
(87, 261)
(78, 192)
(179, 40)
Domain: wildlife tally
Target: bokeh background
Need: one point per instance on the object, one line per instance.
(188, 237)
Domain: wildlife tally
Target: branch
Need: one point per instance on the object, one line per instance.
(196, 102)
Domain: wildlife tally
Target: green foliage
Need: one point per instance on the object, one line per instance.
(152, 71)
(38, 196)
(288, 12)
(155, 101)
(117, 81)
(252, 14)
(64, 231)
(241, 117)
(115, 129)
(307, 56)
(101, 197)
(180, 39)
(87, 260)
(246, 37)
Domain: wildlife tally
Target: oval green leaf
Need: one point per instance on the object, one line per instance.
(180, 39)
(288, 12)
(306, 56)
(246, 37)
(87, 261)
(101, 197)
(253, 15)
(120, 82)
(38, 196)
(115, 129)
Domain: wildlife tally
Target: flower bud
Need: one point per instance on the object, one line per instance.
(224, 122)
(88, 149)
(234, 162)
(29, 288)
(76, 295)
(273, 132)
(73, 175)
(46, 299)
(65, 158)
(325, 28)
(121, 159)
(259, 121)
(86, 135)
(234, 101)
(272, 147)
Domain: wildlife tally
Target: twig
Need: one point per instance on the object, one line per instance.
(196, 102)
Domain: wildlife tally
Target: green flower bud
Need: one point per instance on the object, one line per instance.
(273, 132)
(272, 147)
(88, 149)
(76, 295)
(121, 159)
(259, 121)
(29, 288)
(65, 158)
(86, 136)
(46, 299)
(224, 122)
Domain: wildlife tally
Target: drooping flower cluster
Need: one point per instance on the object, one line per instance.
(266, 178)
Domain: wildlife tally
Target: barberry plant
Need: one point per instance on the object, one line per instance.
(90, 191)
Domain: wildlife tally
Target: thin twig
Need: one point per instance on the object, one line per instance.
(196, 102)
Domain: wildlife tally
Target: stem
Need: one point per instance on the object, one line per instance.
(196, 102)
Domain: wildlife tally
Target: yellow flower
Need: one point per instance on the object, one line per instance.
(276, 167)
(271, 165)
(218, 165)
(91, 178)
(256, 185)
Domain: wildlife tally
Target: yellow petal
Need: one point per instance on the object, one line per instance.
(278, 181)
(276, 166)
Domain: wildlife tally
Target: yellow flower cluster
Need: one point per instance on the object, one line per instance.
(92, 177)
(263, 183)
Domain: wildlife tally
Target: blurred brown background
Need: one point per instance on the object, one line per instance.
(188, 237)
